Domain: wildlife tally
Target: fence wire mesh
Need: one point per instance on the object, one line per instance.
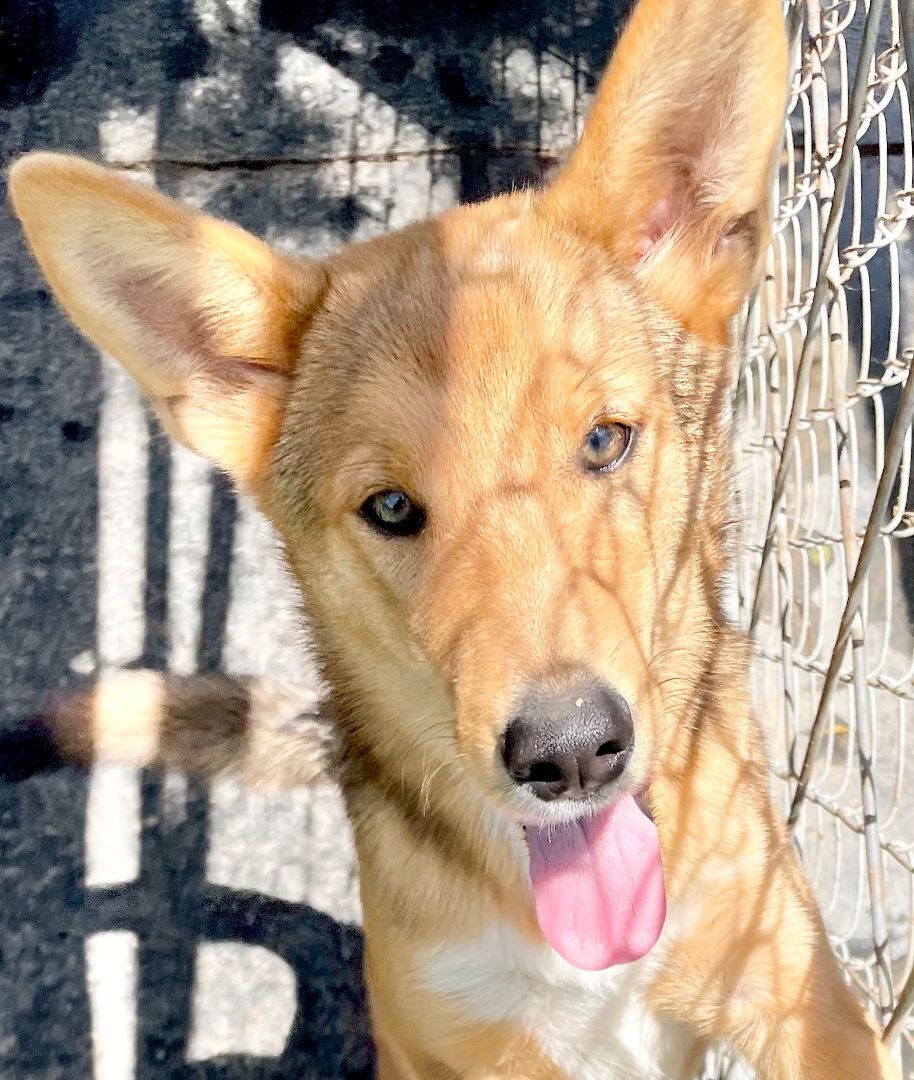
(826, 564)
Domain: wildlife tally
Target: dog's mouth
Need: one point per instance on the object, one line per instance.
(598, 886)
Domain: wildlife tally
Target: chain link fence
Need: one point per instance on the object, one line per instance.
(826, 563)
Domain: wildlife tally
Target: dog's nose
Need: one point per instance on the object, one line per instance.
(569, 744)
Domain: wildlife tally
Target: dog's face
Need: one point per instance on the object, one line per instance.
(491, 442)
(491, 499)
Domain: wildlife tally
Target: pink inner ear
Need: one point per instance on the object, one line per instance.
(659, 221)
(676, 207)
(168, 317)
(662, 218)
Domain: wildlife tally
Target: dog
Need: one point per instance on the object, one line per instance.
(495, 446)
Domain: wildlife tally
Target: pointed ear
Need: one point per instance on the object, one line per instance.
(206, 317)
(672, 172)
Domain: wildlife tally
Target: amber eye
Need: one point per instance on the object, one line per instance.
(393, 513)
(606, 446)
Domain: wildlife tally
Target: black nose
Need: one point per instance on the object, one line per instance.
(571, 743)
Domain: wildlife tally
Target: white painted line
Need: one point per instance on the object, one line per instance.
(244, 1002)
(113, 806)
(189, 499)
(111, 974)
(123, 453)
(112, 834)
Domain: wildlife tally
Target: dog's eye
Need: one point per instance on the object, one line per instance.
(394, 513)
(606, 446)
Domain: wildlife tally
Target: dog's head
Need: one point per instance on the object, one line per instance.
(493, 443)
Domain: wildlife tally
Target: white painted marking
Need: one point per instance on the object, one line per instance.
(83, 663)
(173, 799)
(262, 597)
(123, 455)
(111, 975)
(123, 448)
(359, 121)
(249, 846)
(244, 1002)
(112, 826)
(216, 18)
(542, 92)
(190, 497)
(128, 135)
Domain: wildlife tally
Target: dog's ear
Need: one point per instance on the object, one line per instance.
(206, 317)
(673, 169)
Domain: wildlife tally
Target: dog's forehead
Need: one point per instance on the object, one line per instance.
(477, 330)
(490, 290)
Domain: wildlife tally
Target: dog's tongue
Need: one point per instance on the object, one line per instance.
(598, 886)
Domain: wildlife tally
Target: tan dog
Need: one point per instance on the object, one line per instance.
(495, 447)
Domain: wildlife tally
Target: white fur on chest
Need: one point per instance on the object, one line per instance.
(592, 1025)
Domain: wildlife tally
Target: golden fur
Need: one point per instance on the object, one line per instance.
(462, 360)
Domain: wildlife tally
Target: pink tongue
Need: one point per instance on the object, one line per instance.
(598, 886)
